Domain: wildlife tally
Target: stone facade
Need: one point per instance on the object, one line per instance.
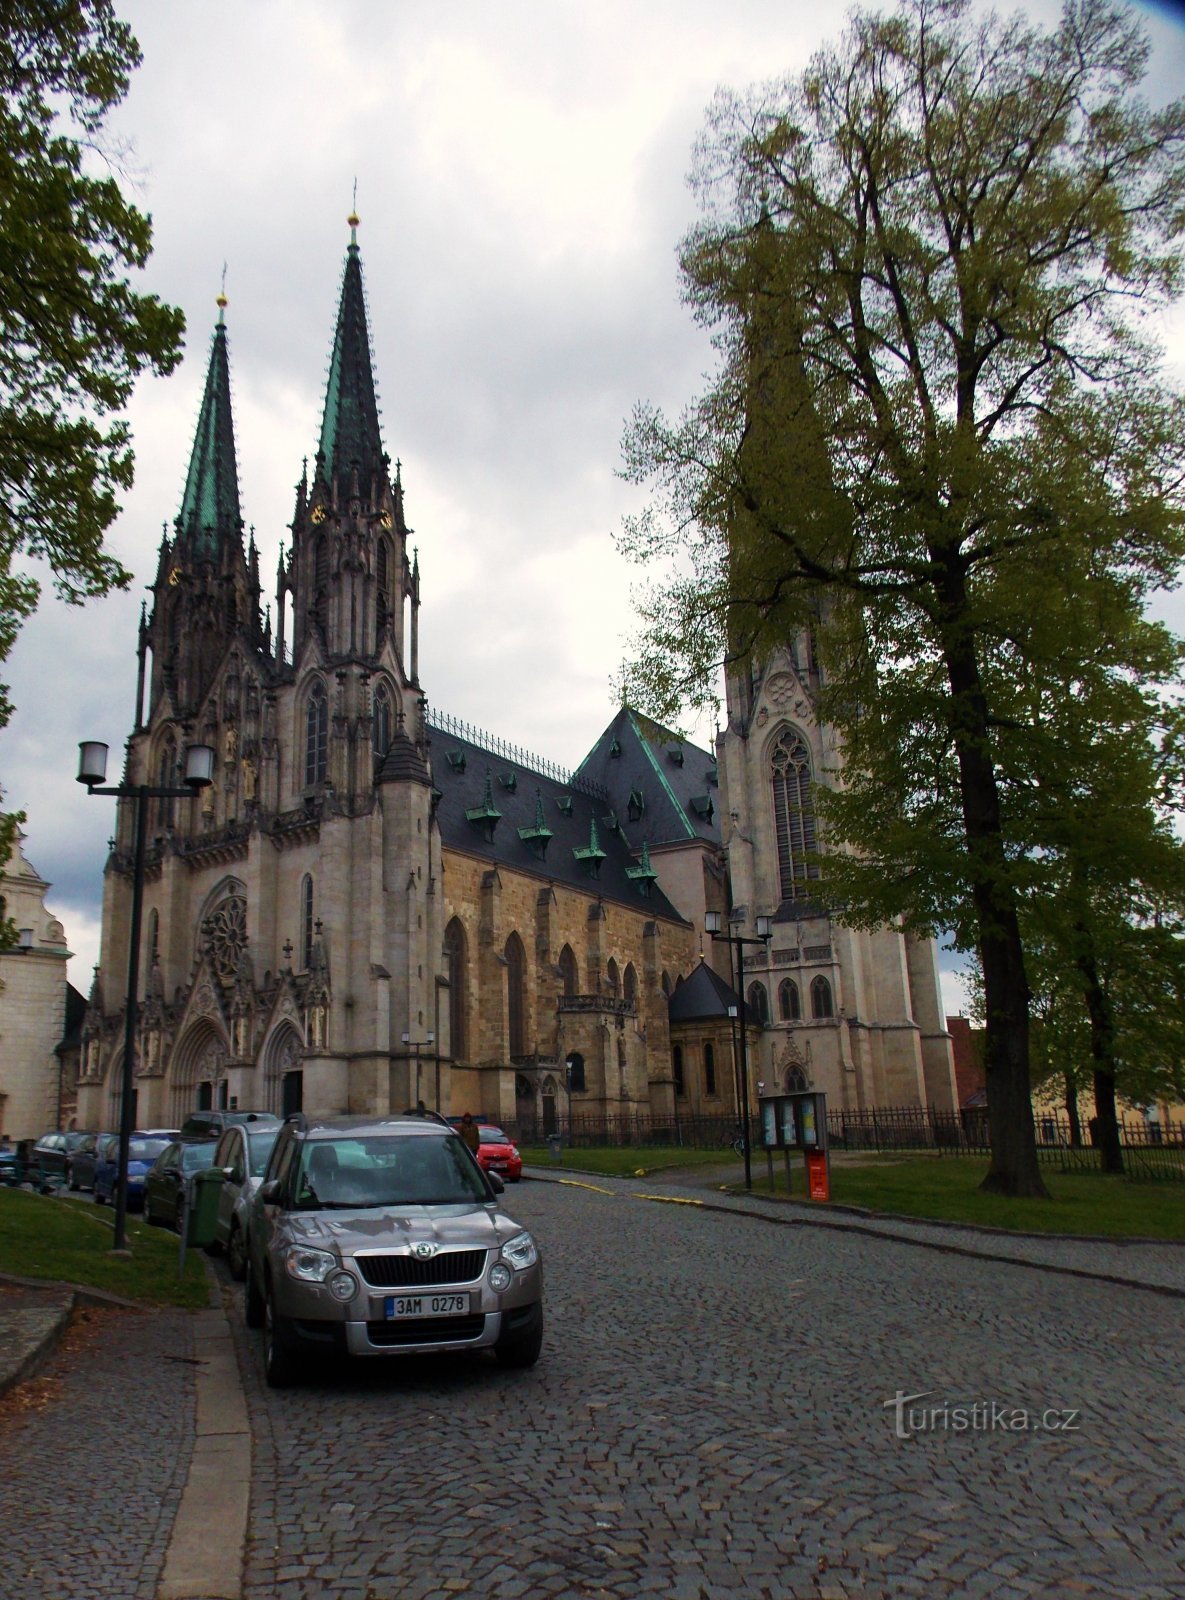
(34, 1093)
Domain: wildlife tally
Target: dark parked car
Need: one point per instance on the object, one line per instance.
(48, 1169)
(82, 1161)
(12, 1166)
(210, 1124)
(164, 1186)
(242, 1154)
(143, 1150)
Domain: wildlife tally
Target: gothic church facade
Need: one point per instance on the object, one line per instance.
(375, 905)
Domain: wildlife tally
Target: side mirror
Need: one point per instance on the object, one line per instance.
(228, 1172)
(270, 1193)
(495, 1183)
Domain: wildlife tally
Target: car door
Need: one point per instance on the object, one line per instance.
(162, 1185)
(231, 1157)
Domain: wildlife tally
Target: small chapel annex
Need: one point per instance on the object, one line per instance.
(375, 905)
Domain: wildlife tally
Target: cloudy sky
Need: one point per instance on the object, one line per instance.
(521, 183)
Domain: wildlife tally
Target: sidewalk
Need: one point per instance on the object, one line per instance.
(1157, 1266)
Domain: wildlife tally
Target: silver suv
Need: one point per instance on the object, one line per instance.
(383, 1237)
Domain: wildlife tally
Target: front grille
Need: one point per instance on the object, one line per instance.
(399, 1272)
(426, 1330)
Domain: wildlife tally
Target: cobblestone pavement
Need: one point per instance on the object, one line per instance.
(95, 1450)
(709, 1422)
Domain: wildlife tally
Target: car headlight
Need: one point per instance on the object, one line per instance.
(310, 1266)
(520, 1251)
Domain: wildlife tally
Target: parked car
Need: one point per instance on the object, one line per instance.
(498, 1153)
(143, 1149)
(12, 1165)
(242, 1154)
(383, 1238)
(210, 1124)
(48, 1168)
(82, 1161)
(164, 1183)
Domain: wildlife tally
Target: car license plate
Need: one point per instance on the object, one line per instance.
(426, 1305)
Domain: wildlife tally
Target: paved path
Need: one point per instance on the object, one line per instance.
(713, 1419)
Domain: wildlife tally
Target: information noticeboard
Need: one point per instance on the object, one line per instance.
(796, 1121)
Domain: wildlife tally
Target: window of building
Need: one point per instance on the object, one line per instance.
(575, 1065)
(758, 1004)
(381, 722)
(321, 583)
(794, 813)
(709, 1069)
(821, 998)
(166, 779)
(613, 977)
(456, 953)
(677, 1065)
(630, 984)
(316, 751)
(789, 1005)
(569, 971)
(382, 607)
(516, 995)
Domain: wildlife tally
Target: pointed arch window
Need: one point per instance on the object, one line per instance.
(758, 1002)
(381, 721)
(321, 583)
(794, 813)
(630, 985)
(382, 576)
(316, 743)
(821, 1003)
(457, 957)
(709, 1069)
(166, 779)
(677, 1068)
(569, 971)
(576, 1078)
(516, 996)
(789, 1004)
(613, 978)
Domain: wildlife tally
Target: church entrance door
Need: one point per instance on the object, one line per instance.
(292, 1093)
(548, 1113)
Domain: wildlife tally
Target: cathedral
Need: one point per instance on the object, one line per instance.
(376, 906)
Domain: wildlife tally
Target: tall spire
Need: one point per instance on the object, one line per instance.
(209, 512)
(350, 428)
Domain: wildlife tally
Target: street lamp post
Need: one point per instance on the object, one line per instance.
(764, 930)
(92, 771)
(415, 1044)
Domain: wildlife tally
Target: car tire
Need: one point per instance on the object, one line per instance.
(279, 1360)
(150, 1216)
(236, 1253)
(72, 1182)
(252, 1299)
(520, 1347)
(99, 1198)
(519, 1179)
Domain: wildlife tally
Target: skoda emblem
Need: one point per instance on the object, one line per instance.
(423, 1251)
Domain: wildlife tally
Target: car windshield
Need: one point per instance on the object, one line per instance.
(357, 1172)
(196, 1156)
(259, 1146)
(138, 1149)
(493, 1136)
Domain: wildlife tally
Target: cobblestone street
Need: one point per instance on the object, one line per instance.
(709, 1419)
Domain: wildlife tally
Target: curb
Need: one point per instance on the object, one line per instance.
(35, 1352)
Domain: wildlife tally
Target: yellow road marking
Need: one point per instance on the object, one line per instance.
(668, 1199)
(571, 1183)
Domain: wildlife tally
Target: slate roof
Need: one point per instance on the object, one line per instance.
(703, 996)
(676, 782)
(210, 511)
(572, 815)
(350, 426)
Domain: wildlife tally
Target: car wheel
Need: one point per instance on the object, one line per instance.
(519, 1179)
(150, 1216)
(279, 1362)
(72, 1181)
(99, 1198)
(252, 1299)
(520, 1346)
(236, 1255)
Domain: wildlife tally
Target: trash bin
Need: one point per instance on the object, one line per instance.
(555, 1145)
(204, 1189)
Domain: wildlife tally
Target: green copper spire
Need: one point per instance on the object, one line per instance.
(209, 512)
(350, 427)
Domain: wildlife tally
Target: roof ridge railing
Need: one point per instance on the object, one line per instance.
(442, 722)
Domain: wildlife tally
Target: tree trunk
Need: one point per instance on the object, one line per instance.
(1072, 1113)
(1102, 1056)
(1014, 1169)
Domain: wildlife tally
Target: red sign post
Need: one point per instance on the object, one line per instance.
(818, 1183)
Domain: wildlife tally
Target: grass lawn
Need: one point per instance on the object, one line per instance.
(947, 1188)
(627, 1161)
(44, 1236)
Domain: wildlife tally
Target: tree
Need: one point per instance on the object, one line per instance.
(75, 334)
(938, 435)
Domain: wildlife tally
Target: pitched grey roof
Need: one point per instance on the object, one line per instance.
(577, 815)
(702, 995)
(659, 783)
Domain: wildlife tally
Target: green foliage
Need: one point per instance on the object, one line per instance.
(75, 333)
(939, 437)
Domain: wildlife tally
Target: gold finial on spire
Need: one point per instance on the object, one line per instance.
(221, 301)
(352, 219)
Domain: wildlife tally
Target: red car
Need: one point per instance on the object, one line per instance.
(497, 1154)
